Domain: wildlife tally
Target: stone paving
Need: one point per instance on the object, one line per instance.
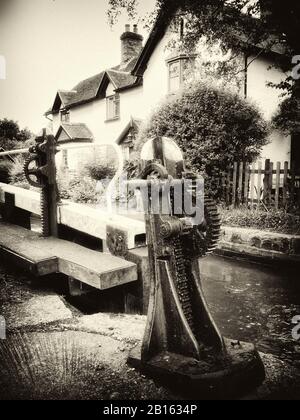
(54, 351)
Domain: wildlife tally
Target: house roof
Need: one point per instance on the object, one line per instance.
(134, 123)
(157, 33)
(160, 28)
(126, 75)
(95, 86)
(74, 132)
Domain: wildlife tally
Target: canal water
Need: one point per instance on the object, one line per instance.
(256, 303)
(249, 302)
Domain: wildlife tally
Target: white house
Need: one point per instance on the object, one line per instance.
(109, 107)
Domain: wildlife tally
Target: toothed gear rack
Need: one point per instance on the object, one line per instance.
(40, 172)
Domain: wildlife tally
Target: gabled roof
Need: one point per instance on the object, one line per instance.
(95, 87)
(134, 124)
(62, 98)
(75, 132)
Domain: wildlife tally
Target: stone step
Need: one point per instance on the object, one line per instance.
(43, 256)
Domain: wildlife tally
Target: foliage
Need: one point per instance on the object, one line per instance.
(80, 189)
(16, 173)
(228, 21)
(213, 127)
(11, 136)
(132, 168)
(5, 166)
(233, 24)
(273, 220)
(100, 171)
(286, 118)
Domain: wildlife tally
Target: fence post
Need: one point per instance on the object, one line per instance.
(266, 195)
(259, 174)
(252, 172)
(292, 189)
(240, 185)
(246, 184)
(277, 189)
(234, 183)
(285, 185)
(228, 186)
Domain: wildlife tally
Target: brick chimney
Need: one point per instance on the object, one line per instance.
(131, 43)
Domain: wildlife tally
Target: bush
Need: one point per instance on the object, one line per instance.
(5, 166)
(213, 127)
(99, 172)
(16, 172)
(81, 189)
(286, 119)
(274, 220)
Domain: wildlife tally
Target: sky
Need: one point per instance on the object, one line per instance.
(53, 44)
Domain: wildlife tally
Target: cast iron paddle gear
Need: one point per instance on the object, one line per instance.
(40, 172)
(182, 345)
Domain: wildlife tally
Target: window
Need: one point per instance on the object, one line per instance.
(126, 152)
(65, 116)
(174, 76)
(177, 72)
(178, 26)
(112, 107)
(65, 161)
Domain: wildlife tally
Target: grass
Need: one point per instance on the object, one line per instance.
(48, 368)
(274, 220)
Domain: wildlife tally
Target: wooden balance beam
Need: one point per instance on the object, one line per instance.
(42, 256)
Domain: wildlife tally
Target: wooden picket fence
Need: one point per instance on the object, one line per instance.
(268, 185)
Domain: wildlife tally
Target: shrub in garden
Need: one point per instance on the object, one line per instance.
(100, 171)
(79, 189)
(214, 127)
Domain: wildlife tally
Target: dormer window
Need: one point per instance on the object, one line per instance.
(178, 26)
(177, 72)
(65, 116)
(112, 107)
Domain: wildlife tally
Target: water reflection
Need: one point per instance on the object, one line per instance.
(254, 302)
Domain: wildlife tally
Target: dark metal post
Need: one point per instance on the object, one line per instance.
(44, 173)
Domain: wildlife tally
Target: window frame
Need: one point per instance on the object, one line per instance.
(115, 100)
(181, 59)
(178, 61)
(65, 116)
(65, 159)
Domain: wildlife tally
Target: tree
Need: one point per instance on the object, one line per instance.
(11, 136)
(213, 127)
(235, 24)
